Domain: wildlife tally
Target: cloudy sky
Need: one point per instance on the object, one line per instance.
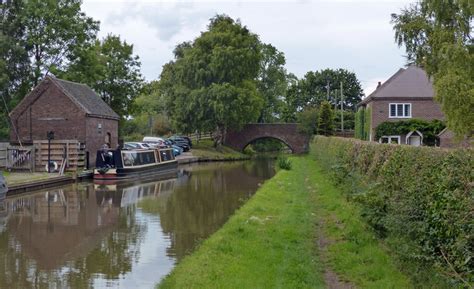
(314, 35)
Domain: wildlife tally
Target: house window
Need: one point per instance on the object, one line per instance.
(393, 139)
(400, 110)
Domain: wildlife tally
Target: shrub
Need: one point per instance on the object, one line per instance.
(308, 120)
(420, 198)
(326, 119)
(362, 123)
(284, 163)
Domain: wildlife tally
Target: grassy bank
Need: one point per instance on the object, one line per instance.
(419, 200)
(204, 149)
(297, 231)
(16, 178)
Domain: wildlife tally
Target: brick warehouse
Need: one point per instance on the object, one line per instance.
(73, 111)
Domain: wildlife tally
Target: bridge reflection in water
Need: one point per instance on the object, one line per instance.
(126, 235)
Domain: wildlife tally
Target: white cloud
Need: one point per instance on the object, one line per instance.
(356, 35)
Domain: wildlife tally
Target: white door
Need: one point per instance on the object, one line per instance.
(414, 140)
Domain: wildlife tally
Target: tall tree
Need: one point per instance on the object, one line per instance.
(324, 85)
(54, 30)
(316, 85)
(272, 83)
(149, 112)
(35, 37)
(14, 62)
(292, 104)
(111, 69)
(211, 84)
(438, 37)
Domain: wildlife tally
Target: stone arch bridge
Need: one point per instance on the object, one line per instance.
(285, 132)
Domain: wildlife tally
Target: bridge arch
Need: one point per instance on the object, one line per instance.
(285, 132)
(268, 137)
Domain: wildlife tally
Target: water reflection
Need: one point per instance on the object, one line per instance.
(126, 235)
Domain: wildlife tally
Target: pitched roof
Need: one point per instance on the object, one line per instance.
(409, 82)
(86, 98)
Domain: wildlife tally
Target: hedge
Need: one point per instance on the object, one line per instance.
(421, 199)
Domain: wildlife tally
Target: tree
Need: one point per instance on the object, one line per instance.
(438, 37)
(308, 121)
(148, 113)
(211, 84)
(14, 62)
(35, 37)
(326, 119)
(110, 68)
(54, 30)
(272, 83)
(312, 90)
(292, 104)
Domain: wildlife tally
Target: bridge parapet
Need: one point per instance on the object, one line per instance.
(285, 132)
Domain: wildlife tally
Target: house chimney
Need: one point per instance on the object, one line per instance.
(378, 85)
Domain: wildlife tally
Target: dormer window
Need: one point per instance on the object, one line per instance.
(400, 110)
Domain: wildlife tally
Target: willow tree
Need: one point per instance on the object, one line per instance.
(438, 37)
(211, 85)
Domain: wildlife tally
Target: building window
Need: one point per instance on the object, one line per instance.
(393, 139)
(400, 110)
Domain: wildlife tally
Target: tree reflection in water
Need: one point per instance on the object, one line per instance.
(76, 235)
(203, 203)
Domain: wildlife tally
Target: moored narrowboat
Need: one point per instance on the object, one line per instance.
(114, 165)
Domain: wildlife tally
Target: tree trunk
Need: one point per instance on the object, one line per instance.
(219, 137)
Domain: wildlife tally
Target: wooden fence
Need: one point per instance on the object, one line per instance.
(67, 153)
(3, 154)
(200, 136)
(345, 133)
(20, 158)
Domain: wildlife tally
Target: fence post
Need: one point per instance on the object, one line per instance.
(33, 156)
(87, 160)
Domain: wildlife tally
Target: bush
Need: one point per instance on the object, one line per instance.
(421, 199)
(284, 163)
(308, 120)
(326, 119)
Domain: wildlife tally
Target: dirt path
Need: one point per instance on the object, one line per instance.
(332, 280)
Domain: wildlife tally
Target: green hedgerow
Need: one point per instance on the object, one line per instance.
(420, 198)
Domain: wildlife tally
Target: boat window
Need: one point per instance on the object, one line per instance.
(135, 158)
(166, 155)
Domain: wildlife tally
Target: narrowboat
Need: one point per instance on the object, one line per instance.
(3, 187)
(116, 165)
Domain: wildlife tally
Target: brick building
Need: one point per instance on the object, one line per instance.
(73, 111)
(407, 94)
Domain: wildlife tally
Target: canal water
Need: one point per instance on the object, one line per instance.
(119, 236)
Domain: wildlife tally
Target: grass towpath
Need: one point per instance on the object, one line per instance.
(297, 231)
(205, 149)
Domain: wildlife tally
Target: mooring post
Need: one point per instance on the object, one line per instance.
(50, 136)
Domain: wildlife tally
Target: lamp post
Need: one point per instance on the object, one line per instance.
(50, 136)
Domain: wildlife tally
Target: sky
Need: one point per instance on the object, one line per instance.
(313, 35)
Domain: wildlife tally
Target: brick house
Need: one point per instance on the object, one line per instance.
(73, 111)
(407, 94)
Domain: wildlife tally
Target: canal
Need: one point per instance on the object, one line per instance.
(119, 236)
